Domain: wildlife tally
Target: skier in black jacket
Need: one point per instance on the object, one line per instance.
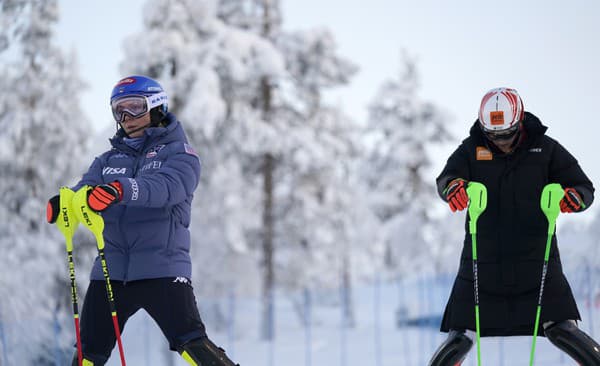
(509, 153)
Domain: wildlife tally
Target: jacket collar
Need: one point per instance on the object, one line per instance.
(173, 131)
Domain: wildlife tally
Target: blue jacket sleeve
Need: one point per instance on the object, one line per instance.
(173, 183)
(92, 177)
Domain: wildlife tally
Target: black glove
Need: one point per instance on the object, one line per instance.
(104, 195)
(456, 194)
(52, 209)
(572, 201)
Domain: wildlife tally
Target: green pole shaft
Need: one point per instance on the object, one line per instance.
(477, 203)
(550, 205)
(476, 287)
(539, 304)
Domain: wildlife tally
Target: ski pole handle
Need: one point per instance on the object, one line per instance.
(477, 203)
(88, 218)
(67, 221)
(550, 203)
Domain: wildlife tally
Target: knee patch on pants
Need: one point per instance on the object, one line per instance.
(573, 341)
(85, 362)
(203, 352)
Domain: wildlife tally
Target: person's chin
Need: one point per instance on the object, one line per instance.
(135, 133)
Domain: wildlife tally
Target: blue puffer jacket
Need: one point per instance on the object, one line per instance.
(146, 234)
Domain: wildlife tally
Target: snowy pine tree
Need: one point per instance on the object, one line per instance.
(307, 175)
(402, 128)
(249, 96)
(212, 72)
(42, 138)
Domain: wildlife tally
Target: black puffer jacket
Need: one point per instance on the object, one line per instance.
(512, 233)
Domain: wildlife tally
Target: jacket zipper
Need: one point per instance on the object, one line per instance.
(133, 175)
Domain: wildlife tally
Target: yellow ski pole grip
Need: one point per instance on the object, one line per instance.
(66, 221)
(88, 218)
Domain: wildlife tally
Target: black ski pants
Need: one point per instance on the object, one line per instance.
(169, 301)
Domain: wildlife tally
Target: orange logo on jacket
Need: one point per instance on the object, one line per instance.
(482, 153)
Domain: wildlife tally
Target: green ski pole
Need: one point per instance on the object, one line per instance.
(477, 202)
(550, 204)
(95, 223)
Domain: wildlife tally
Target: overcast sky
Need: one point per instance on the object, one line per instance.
(547, 50)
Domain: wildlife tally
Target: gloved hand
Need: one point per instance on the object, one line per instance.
(52, 209)
(104, 195)
(572, 201)
(456, 194)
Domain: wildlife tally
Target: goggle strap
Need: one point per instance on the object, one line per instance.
(157, 99)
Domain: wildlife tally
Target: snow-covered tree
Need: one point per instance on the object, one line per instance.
(308, 216)
(211, 71)
(402, 128)
(42, 138)
(249, 95)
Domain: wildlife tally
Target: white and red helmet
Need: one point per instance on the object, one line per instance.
(501, 110)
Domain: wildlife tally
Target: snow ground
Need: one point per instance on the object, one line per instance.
(375, 340)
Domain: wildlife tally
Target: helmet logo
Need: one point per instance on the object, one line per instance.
(126, 81)
(497, 118)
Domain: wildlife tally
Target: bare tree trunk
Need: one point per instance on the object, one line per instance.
(268, 249)
(347, 304)
(268, 220)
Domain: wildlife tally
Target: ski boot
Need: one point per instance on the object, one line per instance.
(573, 341)
(453, 351)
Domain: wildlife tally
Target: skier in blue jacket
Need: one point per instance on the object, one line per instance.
(144, 186)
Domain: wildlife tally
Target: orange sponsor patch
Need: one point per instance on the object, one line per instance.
(483, 153)
(497, 118)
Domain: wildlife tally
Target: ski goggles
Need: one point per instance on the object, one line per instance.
(503, 135)
(136, 105)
